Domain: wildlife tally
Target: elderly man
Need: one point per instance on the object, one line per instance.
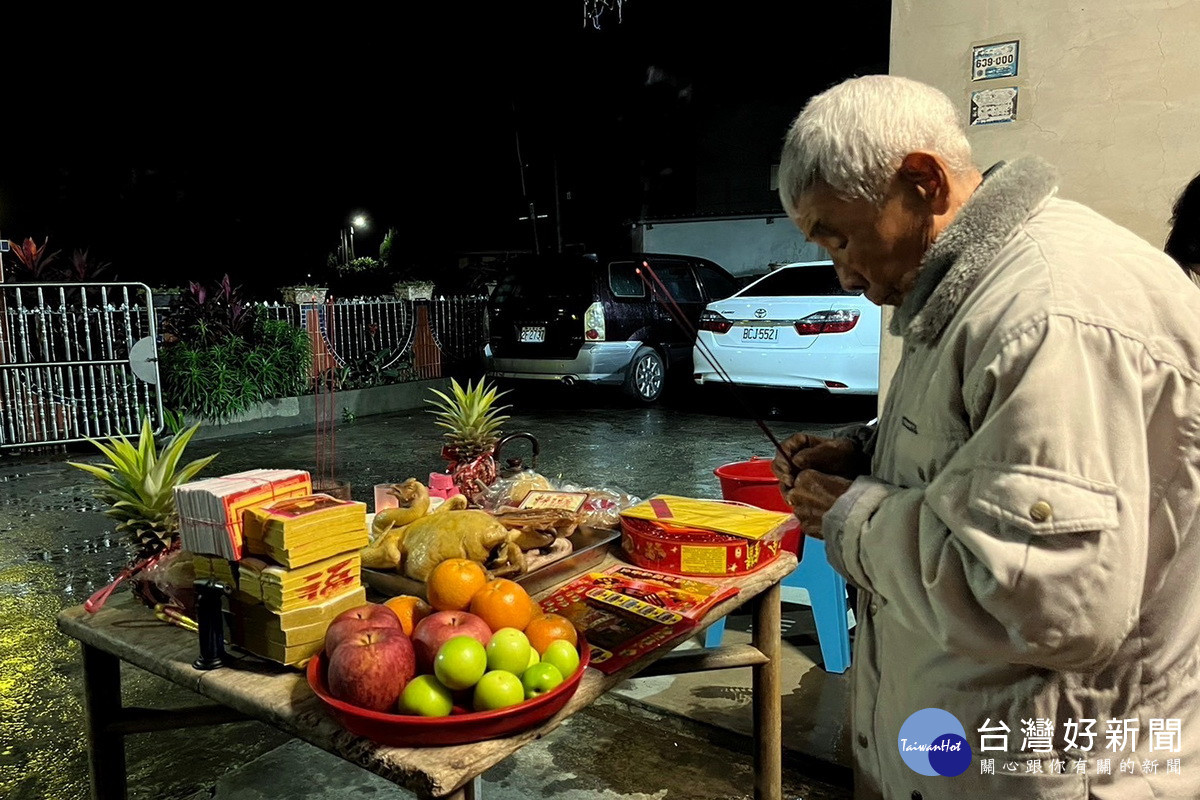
(1022, 524)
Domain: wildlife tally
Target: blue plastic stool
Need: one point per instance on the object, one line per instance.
(827, 595)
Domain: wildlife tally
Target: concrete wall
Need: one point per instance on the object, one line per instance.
(743, 246)
(1108, 92)
(292, 412)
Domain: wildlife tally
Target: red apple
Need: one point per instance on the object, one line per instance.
(371, 668)
(435, 630)
(355, 620)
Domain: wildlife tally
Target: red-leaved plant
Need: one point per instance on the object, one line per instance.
(208, 315)
(84, 268)
(35, 261)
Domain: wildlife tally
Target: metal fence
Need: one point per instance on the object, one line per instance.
(381, 333)
(80, 360)
(76, 361)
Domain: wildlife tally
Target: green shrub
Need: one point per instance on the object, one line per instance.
(225, 378)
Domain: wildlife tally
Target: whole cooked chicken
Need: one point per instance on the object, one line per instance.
(469, 534)
(412, 541)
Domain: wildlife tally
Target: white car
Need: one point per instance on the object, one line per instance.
(794, 327)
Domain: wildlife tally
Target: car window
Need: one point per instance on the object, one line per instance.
(677, 277)
(538, 280)
(624, 281)
(816, 280)
(717, 283)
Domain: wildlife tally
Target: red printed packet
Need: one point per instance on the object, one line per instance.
(626, 612)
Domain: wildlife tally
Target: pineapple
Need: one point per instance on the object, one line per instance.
(472, 421)
(139, 486)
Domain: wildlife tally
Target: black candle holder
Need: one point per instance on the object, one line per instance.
(210, 620)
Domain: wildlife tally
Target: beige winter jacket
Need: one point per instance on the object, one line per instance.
(1027, 539)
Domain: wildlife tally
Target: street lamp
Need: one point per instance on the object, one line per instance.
(360, 222)
(347, 235)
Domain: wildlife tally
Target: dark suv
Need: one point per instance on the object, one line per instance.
(591, 318)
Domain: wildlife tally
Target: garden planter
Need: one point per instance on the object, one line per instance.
(414, 290)
(304, 295)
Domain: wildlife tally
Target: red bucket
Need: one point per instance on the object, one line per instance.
(752, 482)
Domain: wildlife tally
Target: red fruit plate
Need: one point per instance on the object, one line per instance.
(461, 727)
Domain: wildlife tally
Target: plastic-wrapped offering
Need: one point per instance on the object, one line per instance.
(509, 492)
(604, 505)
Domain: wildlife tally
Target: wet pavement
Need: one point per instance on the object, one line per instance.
(56, 549)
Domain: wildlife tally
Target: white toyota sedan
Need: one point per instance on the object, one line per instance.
(794, 327)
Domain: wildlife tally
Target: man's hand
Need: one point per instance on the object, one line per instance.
(811, 495)
(832, 456)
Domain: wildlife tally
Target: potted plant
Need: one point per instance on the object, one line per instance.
(164, 296)
(304, 294)
(362, 277)
(472, 421)
(413, 290)
(138, 488)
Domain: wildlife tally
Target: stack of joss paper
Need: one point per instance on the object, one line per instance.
(210, 511)
(302, 569)
(290, 558)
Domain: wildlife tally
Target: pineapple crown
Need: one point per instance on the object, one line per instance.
(139, 481)
(470, 416)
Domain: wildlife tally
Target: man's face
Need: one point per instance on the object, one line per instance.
(876, 249)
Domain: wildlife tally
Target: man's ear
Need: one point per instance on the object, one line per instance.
(927, 174)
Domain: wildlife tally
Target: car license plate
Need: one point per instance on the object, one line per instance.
(532, 335)
(760, 334)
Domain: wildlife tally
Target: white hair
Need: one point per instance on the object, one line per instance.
(854, 136)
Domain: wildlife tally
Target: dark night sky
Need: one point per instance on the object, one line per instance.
(195, 146)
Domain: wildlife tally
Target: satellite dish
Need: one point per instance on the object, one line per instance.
(143, 360)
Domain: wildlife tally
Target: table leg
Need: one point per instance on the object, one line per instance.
(472, 790)
(768, 709)
(102, 703)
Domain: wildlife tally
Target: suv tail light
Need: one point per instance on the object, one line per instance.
(593, 323)
(714, 322)
(837, 320)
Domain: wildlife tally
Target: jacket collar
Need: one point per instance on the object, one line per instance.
(955, 261)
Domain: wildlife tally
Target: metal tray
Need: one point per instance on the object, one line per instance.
(591, 545)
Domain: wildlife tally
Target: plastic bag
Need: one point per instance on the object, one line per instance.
(604, 505)
(174, 577)
(510, 491)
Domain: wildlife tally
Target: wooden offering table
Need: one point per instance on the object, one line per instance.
(254, 689)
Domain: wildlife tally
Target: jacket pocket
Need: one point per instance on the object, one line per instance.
(1043, 501)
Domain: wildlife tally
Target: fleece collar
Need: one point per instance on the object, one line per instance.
(954, 262)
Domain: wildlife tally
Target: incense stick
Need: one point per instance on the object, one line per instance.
(681, 320)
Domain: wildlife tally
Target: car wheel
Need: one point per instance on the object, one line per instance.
(645, 376)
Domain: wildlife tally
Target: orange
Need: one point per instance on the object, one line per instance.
(503, 604)
(454, 582)
(410, 609)
(548, 628)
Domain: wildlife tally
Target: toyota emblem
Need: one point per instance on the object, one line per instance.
(760, 312)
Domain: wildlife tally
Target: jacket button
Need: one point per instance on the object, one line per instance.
(862, 740)
(916, 796)
(1040, 511)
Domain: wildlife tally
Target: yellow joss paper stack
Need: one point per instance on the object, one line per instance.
(304, 570)
(211, 511)
(281, 589)
(291, 637)
(304, 530)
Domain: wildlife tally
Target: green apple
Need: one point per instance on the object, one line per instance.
(498, 689)
(539, 679)
(460, 662)
(533, 658)
(508, 650)
(426, 696)
(563, 655)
